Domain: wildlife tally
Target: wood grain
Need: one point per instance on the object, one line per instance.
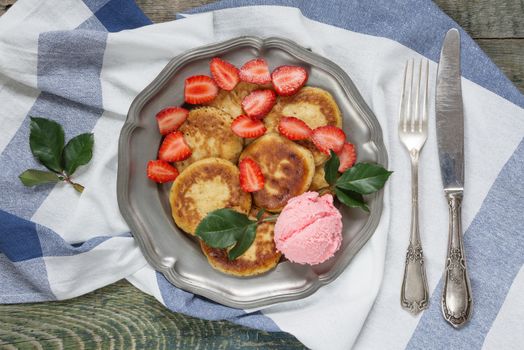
(508, 55)
(166, 10)
(484, 19)
(121, 317)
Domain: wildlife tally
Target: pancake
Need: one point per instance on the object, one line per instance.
(315, 106)
(207, 131)
(260, 257)
(287, 167)
(204, 186)
(319, 181)
(231, 101)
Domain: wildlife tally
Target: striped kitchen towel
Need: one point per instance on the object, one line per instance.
(81, 62)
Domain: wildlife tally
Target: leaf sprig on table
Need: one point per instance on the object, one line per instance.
(46, 140)
(226, 228)
(350, 186)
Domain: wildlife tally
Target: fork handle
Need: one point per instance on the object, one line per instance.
(456, 296)
(414, 295)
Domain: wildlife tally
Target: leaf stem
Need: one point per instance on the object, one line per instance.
(79, 188)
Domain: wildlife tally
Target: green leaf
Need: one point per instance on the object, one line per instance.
(331, 168)
(78, 151)
(46, 139)
(32, 177)
(364, 178)
(248, 237)
(351, 199)
(222, 228)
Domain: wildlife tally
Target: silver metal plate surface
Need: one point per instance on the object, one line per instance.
(145, 204)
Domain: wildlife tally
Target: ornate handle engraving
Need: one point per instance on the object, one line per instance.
(414, 294)
(456, 296)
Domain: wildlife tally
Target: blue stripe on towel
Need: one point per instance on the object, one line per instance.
(18, 238)
(397, 20)
(117, 15)
(23, 281)
(193, 305)
(494, 245)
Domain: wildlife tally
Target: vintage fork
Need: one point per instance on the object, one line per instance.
(413, 132)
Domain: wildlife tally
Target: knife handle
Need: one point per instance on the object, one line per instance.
(456, 296)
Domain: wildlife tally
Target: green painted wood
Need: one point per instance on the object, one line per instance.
(484, 19)
(121, 317)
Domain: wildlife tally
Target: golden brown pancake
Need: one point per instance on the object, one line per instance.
(315, 106)
(260, 257)
(319, 181)
(287, 167)
(207, 131)
(231, 101)
(204, 186)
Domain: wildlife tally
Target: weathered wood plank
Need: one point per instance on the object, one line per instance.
(487, 18)
(119, 316)
(508, 54)
(166, 10)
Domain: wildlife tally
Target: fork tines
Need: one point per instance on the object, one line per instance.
(413, 116)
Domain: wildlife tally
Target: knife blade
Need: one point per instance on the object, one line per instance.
(456, 296)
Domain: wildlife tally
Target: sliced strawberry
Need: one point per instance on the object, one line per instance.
(255, 71)
(247, 127)
(287, 80)
(200, 89)
(294, 128)
(161, 171)
(258, 103)
(174, 148)
(169, 119)
(225, 74)
(347, 157)
(328, 138)
(251, 178)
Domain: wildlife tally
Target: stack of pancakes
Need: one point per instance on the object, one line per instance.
(209, 179)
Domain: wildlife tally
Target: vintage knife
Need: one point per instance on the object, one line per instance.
(456, 296)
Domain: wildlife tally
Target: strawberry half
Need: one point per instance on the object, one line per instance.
(294, 128)
(287, 80)
(169, 119)
(247, 127)
(174, 148)
(251, 178)
(255, 71)
(161, 171)
(225, 74)
(258, 103)
(328, 138)
(200, 89)
(347, 157)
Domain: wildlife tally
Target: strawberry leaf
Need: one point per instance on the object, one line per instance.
(363, 178)
(222, 228)
(33, 177)
(46, 139)
(77, 152)
(351, 199)
(331, 168)
(243, 244)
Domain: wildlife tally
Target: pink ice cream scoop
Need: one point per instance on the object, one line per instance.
(309, 229)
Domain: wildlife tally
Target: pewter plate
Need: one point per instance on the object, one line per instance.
(145, 205)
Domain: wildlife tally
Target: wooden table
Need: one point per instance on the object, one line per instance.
(120, 316)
